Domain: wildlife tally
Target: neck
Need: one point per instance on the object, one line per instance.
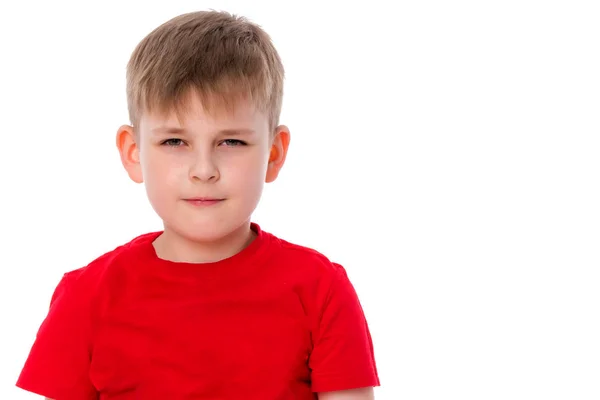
(174, 247)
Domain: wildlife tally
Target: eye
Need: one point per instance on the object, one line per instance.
(233, 142)
(172, 142)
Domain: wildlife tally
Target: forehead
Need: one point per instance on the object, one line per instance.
(196, 112)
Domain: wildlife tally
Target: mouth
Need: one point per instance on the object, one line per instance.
(204, 201)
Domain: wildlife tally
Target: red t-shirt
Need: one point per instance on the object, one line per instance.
(275, 321)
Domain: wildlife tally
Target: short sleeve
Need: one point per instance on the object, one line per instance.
(342, 356)
(59, 361)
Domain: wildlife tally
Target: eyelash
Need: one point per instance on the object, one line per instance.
(231, 142)
(235, 141)
(168, 142)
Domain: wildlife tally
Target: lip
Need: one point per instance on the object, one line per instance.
(203, 201)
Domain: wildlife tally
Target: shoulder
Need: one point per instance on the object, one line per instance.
(88, 279)
(65, 339)
(342, 355)
(314, 275)
(307, 260)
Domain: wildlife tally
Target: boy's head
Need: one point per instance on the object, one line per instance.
(221, 56)
(204, 94)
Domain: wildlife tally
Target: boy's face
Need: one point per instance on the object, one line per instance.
(204, 174)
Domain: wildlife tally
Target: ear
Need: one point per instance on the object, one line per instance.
(129, 152)
(279, 149)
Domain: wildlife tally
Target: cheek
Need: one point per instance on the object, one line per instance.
(248, 175)
(250, 168)
(160, 171)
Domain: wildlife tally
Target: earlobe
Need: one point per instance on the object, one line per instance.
(278, 154)
(129, 152)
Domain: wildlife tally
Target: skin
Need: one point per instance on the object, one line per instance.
(228, 156)
(354, 394)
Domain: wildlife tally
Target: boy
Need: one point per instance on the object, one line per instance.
(212, 307)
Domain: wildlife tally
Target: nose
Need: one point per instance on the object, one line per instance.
(204, 168)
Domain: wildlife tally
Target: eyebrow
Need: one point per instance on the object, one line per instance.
(236, 132)
(168, 129)
(180, 131)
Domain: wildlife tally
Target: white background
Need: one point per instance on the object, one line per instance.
(446, 153)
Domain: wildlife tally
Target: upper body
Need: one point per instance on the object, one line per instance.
(210, 307)
(274, 321)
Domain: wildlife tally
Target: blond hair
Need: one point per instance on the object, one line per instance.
(219, 56)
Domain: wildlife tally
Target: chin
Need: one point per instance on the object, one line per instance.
(204, 231)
